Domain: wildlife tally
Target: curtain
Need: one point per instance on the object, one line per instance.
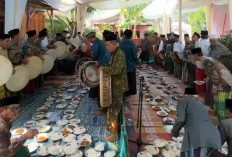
(81, 16)
(14, 11)
(221, 20)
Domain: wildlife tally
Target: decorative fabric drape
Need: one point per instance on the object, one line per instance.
(221, 21)
(81, 16)
(14, 11)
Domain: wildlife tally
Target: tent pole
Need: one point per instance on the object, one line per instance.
(180, 19)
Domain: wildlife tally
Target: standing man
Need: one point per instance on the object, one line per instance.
(130, 50)
(178, 48)
(118, 72)
(204, 43)
(145, 49)
(100, 55)
(168, 49)
(80, 38)
(201, 136)
(160, 49)
(195, 38)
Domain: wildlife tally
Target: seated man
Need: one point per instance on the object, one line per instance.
(12, 148)
(201, 136)
(225, 128)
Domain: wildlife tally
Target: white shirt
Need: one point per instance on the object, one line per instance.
(179, 47)
(161, 46)
(204, 45)
(44, 43)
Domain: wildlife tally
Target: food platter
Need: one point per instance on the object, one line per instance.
(44, 128)
(92, 153)
(62, 122)
(19, 131)
(69, 138)
(144, 154)
(56, 136)
(70, 148)
(68, 116)
(74, 121)
(153, 150)
(160, 143)
(42, 137)
(79, 130)
(168, 121)
(162, 113)
(42, 151)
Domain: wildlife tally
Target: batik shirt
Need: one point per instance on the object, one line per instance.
(219, 52)
(30, 49)
(8, 148)
(15, 53)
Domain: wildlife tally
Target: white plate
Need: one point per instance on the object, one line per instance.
(72, 106)
(79, 130)
(62, 122)
(41, 135)
(92, 153)
(42, 151)
(68, 116)
(71, 126)
(199, 82)
(172, 108)
(54, 149)
(71, 90)
(55, 136)
(165, 109)
(61, 106)
(153, 150)
(168, 153)
(70, 149)
(74, 121)
(178, 139)
(29, 123)
(69, 111)
(160, 143)
(33, 146)
(42, 109)
(144, 154)
(38, 116)
(69, 138)
(110, 153)
(48, 115)
(44, 128)
(78, 154)
(66, 131)
(43, 122)
(67, 97)
(19, 131)
(83, 91)
(162, 113)
(99, 146)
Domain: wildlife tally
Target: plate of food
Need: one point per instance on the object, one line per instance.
(56, 136)
(29, 123)
(74, 121)
(70, 148)
(44, 128)
(168, 153)
(72, 106)
(67, 97)
(144, 154)
(199, 82)
(54, 149)
(156, 108)
(79, 130)
(42, 151)
(84, 140)
(38, 116)
(178, 139)
(62, 122)
(32, 147)
(158, 99)
(99, 146)
(48, 115)
(69, 138)
(160, 143)
(69, 111)
(19, 131)
(83, 91)
(168, 121)
(61, 106)
(43, 109)
(41, 137)
(71, 90)
(43, 122)
(110, 153)
(153, 150)
(172, 108)
(76, 99)
(162, 113)
(66, 131)
(78, 154)
(165, 109)
(68, 116)
(71, 126)
(92, 153)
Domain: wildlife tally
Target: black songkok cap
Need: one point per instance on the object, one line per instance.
(65, 31)
(105, 33)
(169, 34)
(31, 33)
(190, 91)
(4, 36)
(128, 33)
(204, 32)
(13, 32)
(186, 35)
(162, 36)
(42, 34)
(196, 50)
(176, 35)
(91, 34)
(111, 37)
(197, 34)
(58, 34)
